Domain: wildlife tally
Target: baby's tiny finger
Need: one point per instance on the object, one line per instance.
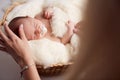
(47, 15)
(75, 30)
(45, 12)
(68, 21)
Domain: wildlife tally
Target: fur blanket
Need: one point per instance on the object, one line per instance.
(64, 10)
(49, 55)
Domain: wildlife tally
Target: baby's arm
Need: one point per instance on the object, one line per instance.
(66, 38)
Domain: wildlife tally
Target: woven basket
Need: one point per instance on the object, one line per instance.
(8, 10)
(53, 70)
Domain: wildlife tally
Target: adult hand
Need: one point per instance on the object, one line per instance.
(17, 47)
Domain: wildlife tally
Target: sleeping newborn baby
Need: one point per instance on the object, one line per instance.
(36, 29)
(48, 49)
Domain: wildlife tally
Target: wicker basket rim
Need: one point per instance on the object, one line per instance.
(8, 10)
(56, 65)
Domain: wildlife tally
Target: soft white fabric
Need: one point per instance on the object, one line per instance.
(58, 22)
(49, 53)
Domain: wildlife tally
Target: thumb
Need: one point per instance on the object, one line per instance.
(22, 33)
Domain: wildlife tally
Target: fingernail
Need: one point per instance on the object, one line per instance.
(21, 25)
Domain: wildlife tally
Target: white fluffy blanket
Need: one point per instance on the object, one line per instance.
(48, 52)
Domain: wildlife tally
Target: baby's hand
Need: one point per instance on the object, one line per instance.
(70, 25)
(78, 27)
(48, 12)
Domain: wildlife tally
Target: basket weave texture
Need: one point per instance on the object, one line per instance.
(54, 70)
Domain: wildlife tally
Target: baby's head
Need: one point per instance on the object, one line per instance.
(33, 28)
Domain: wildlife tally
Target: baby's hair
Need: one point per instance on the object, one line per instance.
(14, 24)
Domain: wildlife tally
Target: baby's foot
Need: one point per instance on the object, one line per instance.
(48, 12)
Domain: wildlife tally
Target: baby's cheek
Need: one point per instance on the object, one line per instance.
(29, 37)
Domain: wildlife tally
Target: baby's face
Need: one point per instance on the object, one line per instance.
(33, 28)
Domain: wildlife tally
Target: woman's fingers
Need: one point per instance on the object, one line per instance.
(3, 49)
(2, 45)
(3, 36)
(2, 42)
(21, 33)
(10, 34)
